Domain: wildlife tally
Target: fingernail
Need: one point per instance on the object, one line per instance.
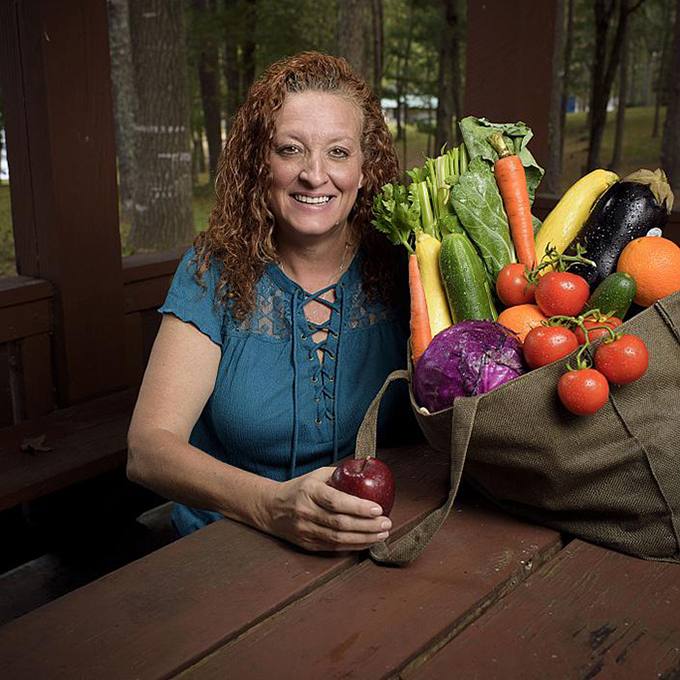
(386, 524)
(376, 510)
(383, 535)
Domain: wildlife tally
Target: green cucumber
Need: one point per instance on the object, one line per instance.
(464, 279)
(614, 295)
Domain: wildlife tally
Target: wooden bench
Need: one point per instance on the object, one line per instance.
(83, 441)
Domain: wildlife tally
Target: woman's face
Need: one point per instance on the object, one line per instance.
(315, 163)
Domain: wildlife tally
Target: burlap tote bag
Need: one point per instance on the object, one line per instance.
(612, 478)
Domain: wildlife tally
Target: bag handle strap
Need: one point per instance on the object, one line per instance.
(406, 548)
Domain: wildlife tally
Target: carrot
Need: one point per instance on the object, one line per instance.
(420, 322)
(512, 184)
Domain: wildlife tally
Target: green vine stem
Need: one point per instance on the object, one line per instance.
(572, 322)
(557, 261)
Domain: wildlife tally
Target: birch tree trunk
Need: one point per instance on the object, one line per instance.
(670, 145)
(163, 210)
(124, 102)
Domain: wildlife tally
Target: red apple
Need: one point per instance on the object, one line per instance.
(367, 478)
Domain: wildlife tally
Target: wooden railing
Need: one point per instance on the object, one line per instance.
(27, 388)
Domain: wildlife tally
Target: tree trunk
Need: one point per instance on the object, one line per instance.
(568, 48)
(378, 42)
(670, 145)
(249, 48)
(621, 108)
(124, 102)
(553, 171)
(351, 23)
(399, 88)
(660, 79)
(231, 66)
(605, 65)
(446, 92)
(209, 80)
(163, 215)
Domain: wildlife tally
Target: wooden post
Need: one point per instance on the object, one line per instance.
(54, 65)
(509, 62)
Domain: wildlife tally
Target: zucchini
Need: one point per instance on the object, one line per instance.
(628, 210)
(568, 217)
(427, 252)
(465, 281)
(614, 295)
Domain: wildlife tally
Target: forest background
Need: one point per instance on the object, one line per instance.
(181, 68)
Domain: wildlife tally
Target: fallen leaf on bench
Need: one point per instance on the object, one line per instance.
(34, 444)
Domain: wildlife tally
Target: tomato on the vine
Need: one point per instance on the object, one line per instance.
(562, 293)
(623, 360)
(599, 332)
(545, 344)
(583, 391)
(512, 286)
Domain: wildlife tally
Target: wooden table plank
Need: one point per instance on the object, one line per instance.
(169, 609)
(589, 613)
(375, 620)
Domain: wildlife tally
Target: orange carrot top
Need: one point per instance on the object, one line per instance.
(512, 184)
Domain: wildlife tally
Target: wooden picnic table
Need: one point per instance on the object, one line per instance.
(492, 596)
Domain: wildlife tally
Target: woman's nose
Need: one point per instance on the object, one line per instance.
(313, 171)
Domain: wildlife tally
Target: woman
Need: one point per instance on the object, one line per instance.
(255, 385)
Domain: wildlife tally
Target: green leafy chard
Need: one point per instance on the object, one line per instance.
(479, 207)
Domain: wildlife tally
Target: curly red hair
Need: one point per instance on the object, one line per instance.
(241, 226)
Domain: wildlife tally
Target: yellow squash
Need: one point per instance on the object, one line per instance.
(427, 252)
(567, 218)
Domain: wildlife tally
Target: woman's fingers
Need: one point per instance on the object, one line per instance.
(338, 501)
(316, 516)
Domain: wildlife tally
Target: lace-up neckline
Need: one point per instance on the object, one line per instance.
(321, 353)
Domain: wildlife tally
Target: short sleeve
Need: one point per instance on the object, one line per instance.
(193, 303)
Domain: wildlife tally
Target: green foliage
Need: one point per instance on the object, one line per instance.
(285, 27)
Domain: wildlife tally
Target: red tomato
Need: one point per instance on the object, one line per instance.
(511, 286)
(612, 322)
(622, 361)
(583, 392)
(562, 293)
(545, 344)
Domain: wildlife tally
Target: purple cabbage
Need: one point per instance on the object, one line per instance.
(466, 359)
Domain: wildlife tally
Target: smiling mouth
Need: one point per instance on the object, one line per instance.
(312, 200)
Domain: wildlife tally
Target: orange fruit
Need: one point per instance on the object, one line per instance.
(521, 319)
(654, 263)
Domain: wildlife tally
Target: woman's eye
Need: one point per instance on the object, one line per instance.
(288, 150)
(339, 153)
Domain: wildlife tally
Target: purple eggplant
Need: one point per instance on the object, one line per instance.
(629, 209)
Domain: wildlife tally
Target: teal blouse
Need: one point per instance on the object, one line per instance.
(276, 409)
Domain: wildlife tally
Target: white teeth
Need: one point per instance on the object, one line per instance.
(310, 199)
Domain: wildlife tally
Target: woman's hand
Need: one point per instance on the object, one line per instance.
(315, 516)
